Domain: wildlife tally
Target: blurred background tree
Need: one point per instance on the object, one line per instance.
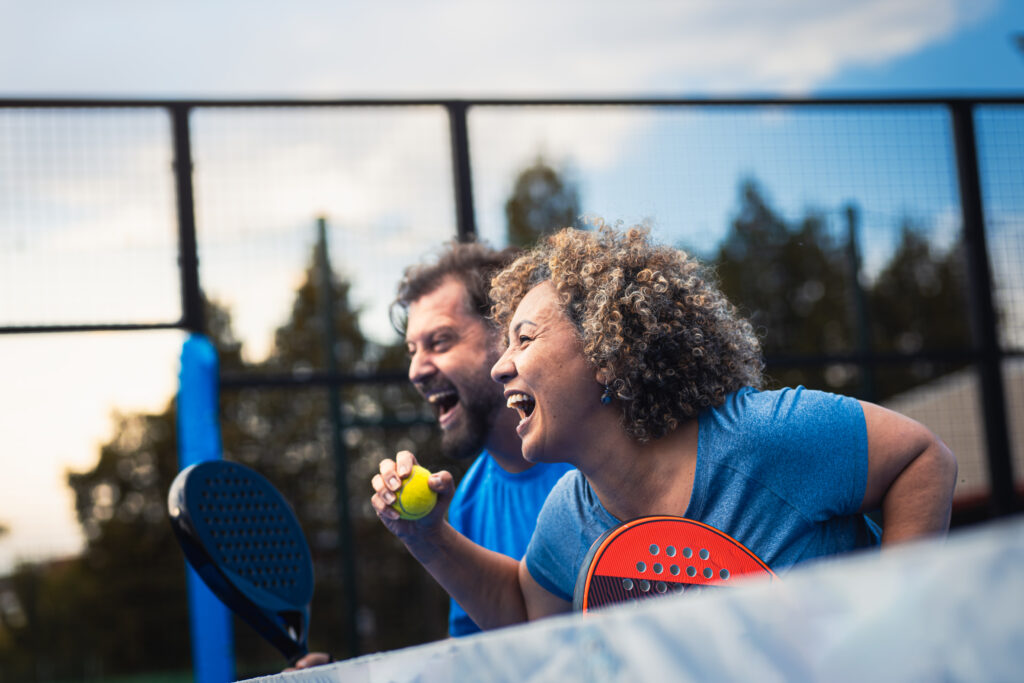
(791, 281)
(802, 286)
(919, 302)
(542, 201)
(121, 606)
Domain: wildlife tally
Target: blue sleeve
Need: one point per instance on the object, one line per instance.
(548, 557)
(570, 521)
(785, 473)
(822, 438)
(806, 449)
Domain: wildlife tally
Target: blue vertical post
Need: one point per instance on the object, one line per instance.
(213, 652)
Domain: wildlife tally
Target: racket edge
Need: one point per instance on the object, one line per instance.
(220, 583)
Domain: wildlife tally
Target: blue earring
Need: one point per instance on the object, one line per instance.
(606, 397)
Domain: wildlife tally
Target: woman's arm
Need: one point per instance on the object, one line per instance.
(911, 476)
(484, 582)
(540, 602)
(488, 585)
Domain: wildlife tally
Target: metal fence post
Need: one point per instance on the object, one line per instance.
(345, 531)
(188, 251)
(464, 216)
(982, 309)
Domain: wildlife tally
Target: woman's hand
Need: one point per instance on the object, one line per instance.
(390, 478)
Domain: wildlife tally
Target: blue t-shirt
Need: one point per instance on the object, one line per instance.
(498, 510)
(783, 472)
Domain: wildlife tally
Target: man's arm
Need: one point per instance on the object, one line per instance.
(911, 476)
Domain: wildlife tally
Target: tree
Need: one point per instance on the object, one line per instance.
(919, 303)
(286, 435)
(541, 202)
(792, 282)
(121, 606)
(798, 284)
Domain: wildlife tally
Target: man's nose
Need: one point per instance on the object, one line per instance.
(421, 367)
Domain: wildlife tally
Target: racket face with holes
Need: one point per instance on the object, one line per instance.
(242, 538)
(652, 556)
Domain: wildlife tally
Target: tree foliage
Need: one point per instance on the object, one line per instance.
(799, 284)
(542, 201)
(789, 280)
(919, 303)
(121, 606)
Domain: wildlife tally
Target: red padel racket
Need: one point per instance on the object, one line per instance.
(651, 556)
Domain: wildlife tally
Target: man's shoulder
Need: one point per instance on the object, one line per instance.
(486, 478)
(549, 472)
(487, 467)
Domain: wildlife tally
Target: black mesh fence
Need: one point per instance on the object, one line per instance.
(848, 231)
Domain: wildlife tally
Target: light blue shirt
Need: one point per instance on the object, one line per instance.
(783, 472)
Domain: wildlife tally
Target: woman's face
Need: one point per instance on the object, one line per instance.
(547, 379)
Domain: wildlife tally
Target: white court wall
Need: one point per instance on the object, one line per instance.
(948, 610)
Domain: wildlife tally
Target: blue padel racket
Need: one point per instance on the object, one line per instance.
(242, 538)
(651, 556)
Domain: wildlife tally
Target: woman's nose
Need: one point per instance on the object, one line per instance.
(504, 370)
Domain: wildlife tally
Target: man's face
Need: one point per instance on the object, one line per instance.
(451, 351)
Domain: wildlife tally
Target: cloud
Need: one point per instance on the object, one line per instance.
(457, 47)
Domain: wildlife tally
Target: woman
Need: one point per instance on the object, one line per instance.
(625, 361)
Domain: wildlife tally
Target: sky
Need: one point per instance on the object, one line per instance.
(58, 392)
(399, 48)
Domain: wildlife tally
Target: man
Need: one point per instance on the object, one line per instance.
(442, 309)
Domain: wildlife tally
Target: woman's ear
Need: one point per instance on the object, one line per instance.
(604, 376)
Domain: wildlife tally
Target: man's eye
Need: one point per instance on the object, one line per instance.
(523, 339)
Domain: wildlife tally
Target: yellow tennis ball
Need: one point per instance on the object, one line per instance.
(415, 499)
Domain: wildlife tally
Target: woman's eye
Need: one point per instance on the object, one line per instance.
(523, 339)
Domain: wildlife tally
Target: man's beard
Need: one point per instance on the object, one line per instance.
(480, 407)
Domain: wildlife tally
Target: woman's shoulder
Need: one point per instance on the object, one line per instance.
(571, 485)
(572, 502)
(753, 419)
(787, 403)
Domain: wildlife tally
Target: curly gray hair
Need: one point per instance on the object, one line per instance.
(648, 314)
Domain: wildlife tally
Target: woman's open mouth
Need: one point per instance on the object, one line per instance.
(523, 404)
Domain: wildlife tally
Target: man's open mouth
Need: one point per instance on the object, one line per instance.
(522, 403)
(443, 401)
